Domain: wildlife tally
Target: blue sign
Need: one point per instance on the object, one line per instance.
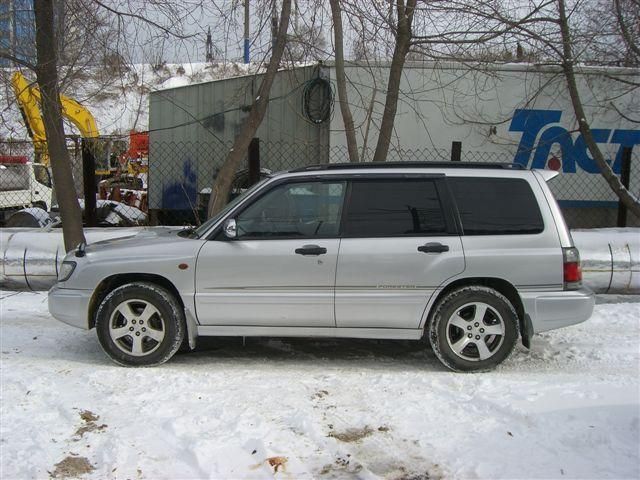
(540, 132)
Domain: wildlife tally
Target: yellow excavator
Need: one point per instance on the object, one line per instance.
(29, 100)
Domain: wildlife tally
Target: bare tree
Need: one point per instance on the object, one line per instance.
(224, 179)
(494, 31)
(629, 200)
(567, 40)
(404, 18)
(445, 29)
(343, 99)
(306, 42)
(47, 74)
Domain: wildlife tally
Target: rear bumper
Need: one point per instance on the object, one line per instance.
(551, 310)
(70, 306)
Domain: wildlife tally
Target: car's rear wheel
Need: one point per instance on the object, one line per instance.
(140, 324)
(473, 328)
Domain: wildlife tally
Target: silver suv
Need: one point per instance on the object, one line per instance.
(471, 257)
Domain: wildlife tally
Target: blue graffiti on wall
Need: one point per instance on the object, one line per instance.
(182, 195)
(539, 134)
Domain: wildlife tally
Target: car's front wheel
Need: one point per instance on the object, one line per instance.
(140, 324)
(473, 328)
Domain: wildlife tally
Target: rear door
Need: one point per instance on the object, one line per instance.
(399, 244)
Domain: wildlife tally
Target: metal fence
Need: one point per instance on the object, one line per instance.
(175, 188)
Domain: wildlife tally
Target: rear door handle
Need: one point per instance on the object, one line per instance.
(433, 247)
(311, 250)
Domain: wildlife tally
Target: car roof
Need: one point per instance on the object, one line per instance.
(407, 165)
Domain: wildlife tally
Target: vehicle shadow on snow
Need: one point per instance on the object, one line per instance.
(338, 351)
(401, 355)
(83, 347)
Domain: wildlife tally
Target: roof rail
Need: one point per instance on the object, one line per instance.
(374, 165)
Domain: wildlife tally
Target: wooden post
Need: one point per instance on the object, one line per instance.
(456, 151)
(254, 161)
(625, 175)
(89, 183)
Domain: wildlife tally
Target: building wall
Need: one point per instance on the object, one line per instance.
(193, 127)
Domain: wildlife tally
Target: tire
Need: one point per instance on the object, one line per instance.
(140, 324)
(473, 329)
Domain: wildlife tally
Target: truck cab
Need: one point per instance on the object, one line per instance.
(23, 184)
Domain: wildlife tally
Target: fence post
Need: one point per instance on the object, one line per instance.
(456, 151)
(254, 161)
(89, 183)
(625, 174)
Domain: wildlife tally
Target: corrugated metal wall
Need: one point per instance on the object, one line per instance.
(192, 128)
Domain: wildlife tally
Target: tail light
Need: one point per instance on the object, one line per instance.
(572, 271)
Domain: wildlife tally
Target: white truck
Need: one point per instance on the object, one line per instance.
(23, 184)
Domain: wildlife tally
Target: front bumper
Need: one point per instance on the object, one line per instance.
(551, 310)
(70, 306)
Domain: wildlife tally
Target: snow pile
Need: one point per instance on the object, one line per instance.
(306, 408)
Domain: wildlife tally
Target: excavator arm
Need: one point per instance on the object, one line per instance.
(72, 110)
(79, 116)
(29, 99)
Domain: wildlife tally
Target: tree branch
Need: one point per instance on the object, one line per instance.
(629, 200)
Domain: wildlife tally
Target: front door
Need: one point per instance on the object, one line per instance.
(399, 244)
(280, 270)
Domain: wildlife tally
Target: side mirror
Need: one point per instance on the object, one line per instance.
(229, 228)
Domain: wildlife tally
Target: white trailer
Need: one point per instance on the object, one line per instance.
(518, 113)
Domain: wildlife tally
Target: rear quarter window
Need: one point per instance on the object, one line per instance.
(496, 206)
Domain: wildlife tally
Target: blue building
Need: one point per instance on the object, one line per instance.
(17, 30)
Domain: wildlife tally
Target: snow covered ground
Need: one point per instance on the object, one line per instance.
(298, 409)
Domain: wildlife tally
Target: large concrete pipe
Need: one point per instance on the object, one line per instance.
(610, 259)
(31, 258)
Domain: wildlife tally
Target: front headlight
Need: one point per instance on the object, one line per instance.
(66, 270)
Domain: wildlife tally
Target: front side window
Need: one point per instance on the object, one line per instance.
(394, 208)
(294, 210)
(202, 229)
(496, 206)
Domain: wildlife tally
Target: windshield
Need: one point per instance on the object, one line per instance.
(202, 229)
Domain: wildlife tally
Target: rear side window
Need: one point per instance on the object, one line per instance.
(392, 208)
(496, 206)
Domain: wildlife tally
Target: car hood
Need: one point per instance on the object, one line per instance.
(149, 242)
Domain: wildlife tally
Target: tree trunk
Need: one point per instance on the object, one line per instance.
(401, 48)
(629, 200)
(341, 81)
(47, 76)
(222, 184)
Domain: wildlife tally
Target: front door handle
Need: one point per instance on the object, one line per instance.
(433, 247)
(311, 250)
